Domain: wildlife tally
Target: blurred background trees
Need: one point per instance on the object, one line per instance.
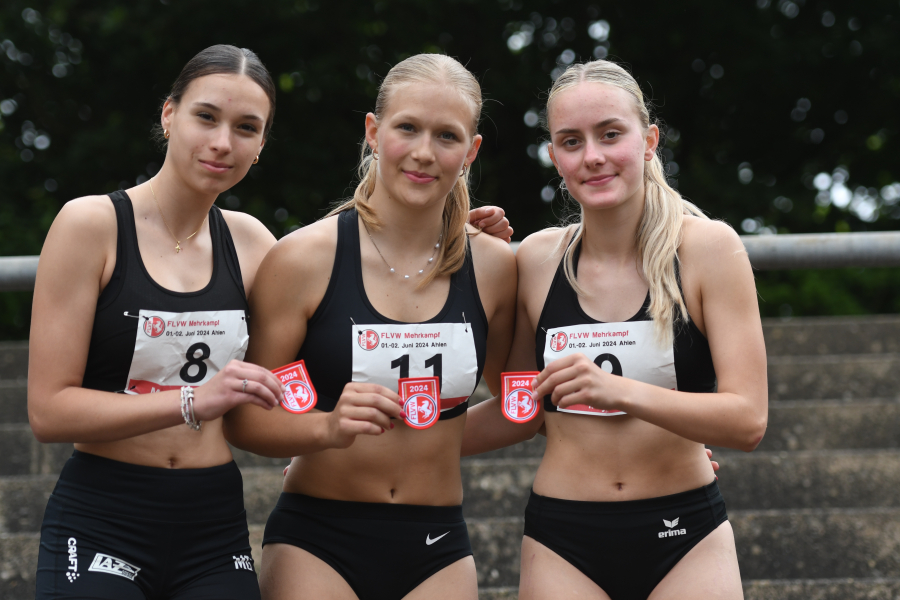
(780, 115)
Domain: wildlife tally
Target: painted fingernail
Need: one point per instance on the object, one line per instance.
(392, 425)
(403, 414)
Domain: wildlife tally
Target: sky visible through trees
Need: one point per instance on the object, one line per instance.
(780, 116)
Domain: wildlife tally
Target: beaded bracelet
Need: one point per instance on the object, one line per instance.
(187, 408)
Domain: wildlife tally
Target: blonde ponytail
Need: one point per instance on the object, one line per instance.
(660, 231)
(423, 68)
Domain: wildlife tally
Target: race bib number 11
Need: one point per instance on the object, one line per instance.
(421, 401)
(299, 393)
(518, 399)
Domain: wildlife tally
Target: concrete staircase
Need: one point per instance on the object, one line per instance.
(816, 509)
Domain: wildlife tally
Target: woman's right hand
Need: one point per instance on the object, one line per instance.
(227, 390)
(362, 409)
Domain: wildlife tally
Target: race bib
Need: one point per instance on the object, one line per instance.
(420, 401)
(519, 405)
(626, 349)
(172, 350)
(384, 354)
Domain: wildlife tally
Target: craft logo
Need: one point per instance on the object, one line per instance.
(421, 410)
(558, 341)
(72, 571)
(672, 531)
(368, 339)
(154, 327)
(520, 405)
(103, 563)
(298, 395)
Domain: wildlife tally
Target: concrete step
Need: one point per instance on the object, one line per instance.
(13, 360)
(801, 544)
(876, 588)
(832, 335)
(762, 480)
(500, 487)
(834, 376)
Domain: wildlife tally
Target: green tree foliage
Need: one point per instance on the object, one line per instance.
(781, 115)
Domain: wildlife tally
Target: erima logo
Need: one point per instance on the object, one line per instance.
(103, 563)
(672, 531)
(72, 572)
(243, 562)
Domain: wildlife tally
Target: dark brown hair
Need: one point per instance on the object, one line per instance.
(223, 59)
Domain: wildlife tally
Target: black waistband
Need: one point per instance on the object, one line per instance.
(708, 493)
(95, 483)
(370, 510)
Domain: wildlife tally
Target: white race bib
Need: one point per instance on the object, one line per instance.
(177, 349)
(627, 349)
(383, 354)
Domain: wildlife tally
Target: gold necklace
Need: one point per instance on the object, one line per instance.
(166, 223)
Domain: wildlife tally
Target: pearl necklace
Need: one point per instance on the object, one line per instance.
(392, 270)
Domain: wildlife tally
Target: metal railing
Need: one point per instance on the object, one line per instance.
(767, 252)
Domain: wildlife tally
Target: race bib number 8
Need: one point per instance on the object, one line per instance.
(626, 349)
(172, 350)
(384, 354)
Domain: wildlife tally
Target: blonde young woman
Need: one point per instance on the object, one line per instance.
(390, 285)
(625, 504)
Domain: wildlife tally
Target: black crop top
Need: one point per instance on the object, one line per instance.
(348, 340)
(146, 338)
(628, 348)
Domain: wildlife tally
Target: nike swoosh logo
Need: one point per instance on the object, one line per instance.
(430, 541)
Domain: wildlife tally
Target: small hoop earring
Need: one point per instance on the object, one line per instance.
(375, 154)
(465, 171)
(256, 160)
(166, 133)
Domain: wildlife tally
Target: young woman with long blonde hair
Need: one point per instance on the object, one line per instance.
(642, 320)
(391, 285)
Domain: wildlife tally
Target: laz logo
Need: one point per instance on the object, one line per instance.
(558, 341)
(368, 339)
(243, 562)
(154, 327)
(103, 563)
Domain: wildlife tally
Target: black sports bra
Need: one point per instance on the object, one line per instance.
(348, 340)
(627, 348)
(146, 338)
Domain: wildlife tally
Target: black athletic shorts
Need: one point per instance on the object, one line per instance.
(118, 531)
(626, 548)
(382, 550)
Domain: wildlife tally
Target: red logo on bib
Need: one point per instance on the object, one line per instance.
(519, 405)
(368, 339)
(154, 327)
(299, 393)
(420, 401)
(558, 341)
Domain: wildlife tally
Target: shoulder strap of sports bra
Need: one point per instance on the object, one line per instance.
(225, 249)
(124, 247)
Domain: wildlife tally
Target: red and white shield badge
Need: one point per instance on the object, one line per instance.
(368, 339)
(154, 327)
(421, 401)
(299, 393)
(519, 405)
(558, 341)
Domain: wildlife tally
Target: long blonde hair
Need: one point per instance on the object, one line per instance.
(423, 68)
(660, 231)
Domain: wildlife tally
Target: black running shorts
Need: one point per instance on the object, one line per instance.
(117, 531)
(626, 548)
(382, 550)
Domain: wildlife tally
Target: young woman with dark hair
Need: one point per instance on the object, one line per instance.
(145, 291)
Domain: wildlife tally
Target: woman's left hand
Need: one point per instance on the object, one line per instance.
(491, 220)
(576, 380)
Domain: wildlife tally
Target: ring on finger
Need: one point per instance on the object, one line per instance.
(244, 386)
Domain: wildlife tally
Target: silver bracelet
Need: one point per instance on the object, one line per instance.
(187, 408)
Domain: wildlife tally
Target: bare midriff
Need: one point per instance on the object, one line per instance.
(610, 459)
(401, 466)
(177, 447)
